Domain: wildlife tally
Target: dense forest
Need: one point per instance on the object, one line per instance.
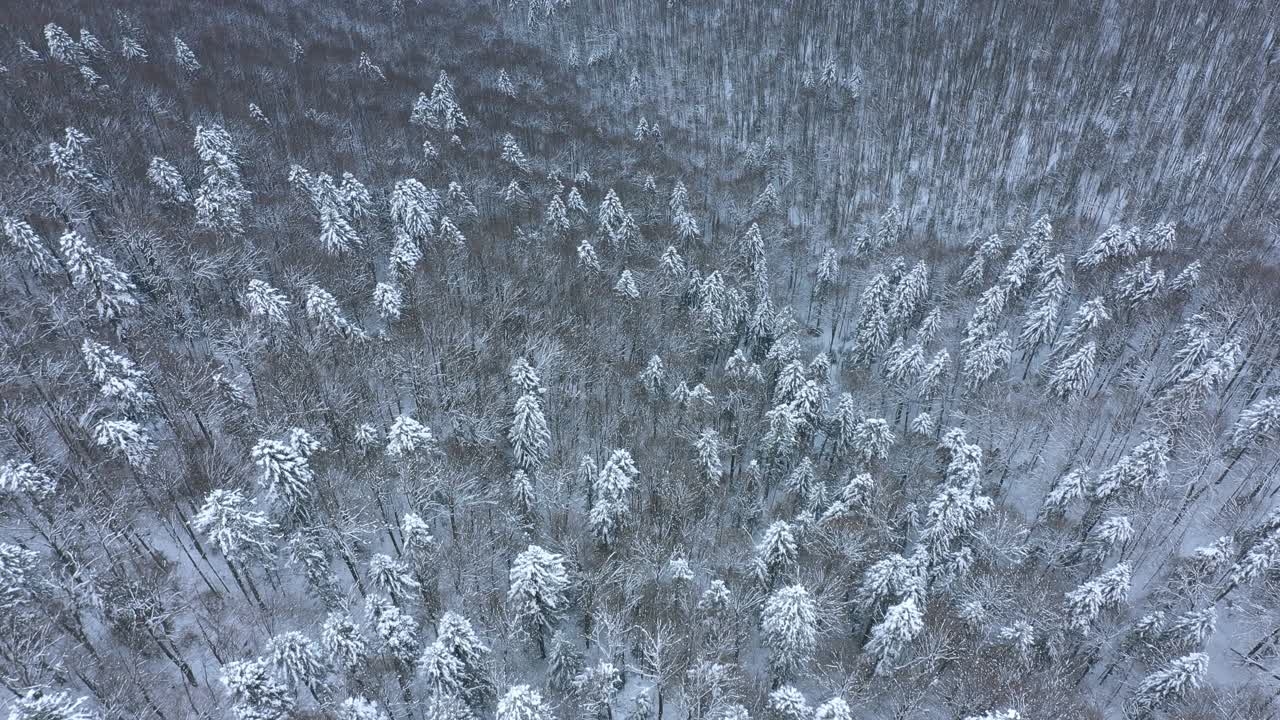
(639, 360)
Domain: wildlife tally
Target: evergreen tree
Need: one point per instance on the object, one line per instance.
(529, 435)
(789, 623)
(537, 591)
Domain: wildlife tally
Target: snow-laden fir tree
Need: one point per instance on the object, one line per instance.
(871, 440)
(62, 47)
(513, 155)
(168, 181)
(266, 302)
(185, 58)
(611, 489)
(297, 659)
(391, 577)
(1258, 423)
(25, 479)
(1085, 604)
(788, 703)
(1177, 678)
(626, 286)
(132, 50)
(522, 702)
(777, 553)
(396, 631)
(505, 86)
(126, 438)
(708, 447)
(32, 249)
(528, 435)
(1088, 317)
(389, 300)
(220, 198)
(894, 634)
(343, 643)
(257, 695)
(20, 571)
(286, 474)
(120, 379)
(536, 594)
(790, 625)
(336, 234)
(414, 207)
(407, 436)
(1144, 466)
(440, 111)
(1073, 373)
(111, 288)
(240, 533)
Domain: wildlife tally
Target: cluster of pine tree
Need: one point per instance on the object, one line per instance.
(438, 360)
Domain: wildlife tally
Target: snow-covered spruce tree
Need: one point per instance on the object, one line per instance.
(389, 301)
(257, 695)
(611, 490)
(1070, 487)
(1085, 604)
(892, 635)
(343, 643)
(777, 554)
(407, 436)
(396, 631)
(528, 435)
(1073, 373)
(241, 534)
(221, 197)
(1179, 677)
(185, 58)
(392, 577)
(127, 439)
(168, 181)
(788, 703)
(522, 702)
(266, 302)
(414, 208)
(454, 665)
(24, 479)
(440, 111)
(708, 447)
(297, 659)
(536, 595)
(790, 625)
(286, 474)
(111, 289)
(31, 248)
(45, 704)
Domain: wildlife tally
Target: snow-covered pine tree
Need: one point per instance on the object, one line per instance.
(522, 702)
(257, 695)
(1074, 372)
(893, 634)
(536, 594)
(1177, 678)
(297, 659)
(185, 58)
(777, 553)
(611, 489)
(111, 288)
(242, 535)
(407, 436)
(789, 621)
(529, 436)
